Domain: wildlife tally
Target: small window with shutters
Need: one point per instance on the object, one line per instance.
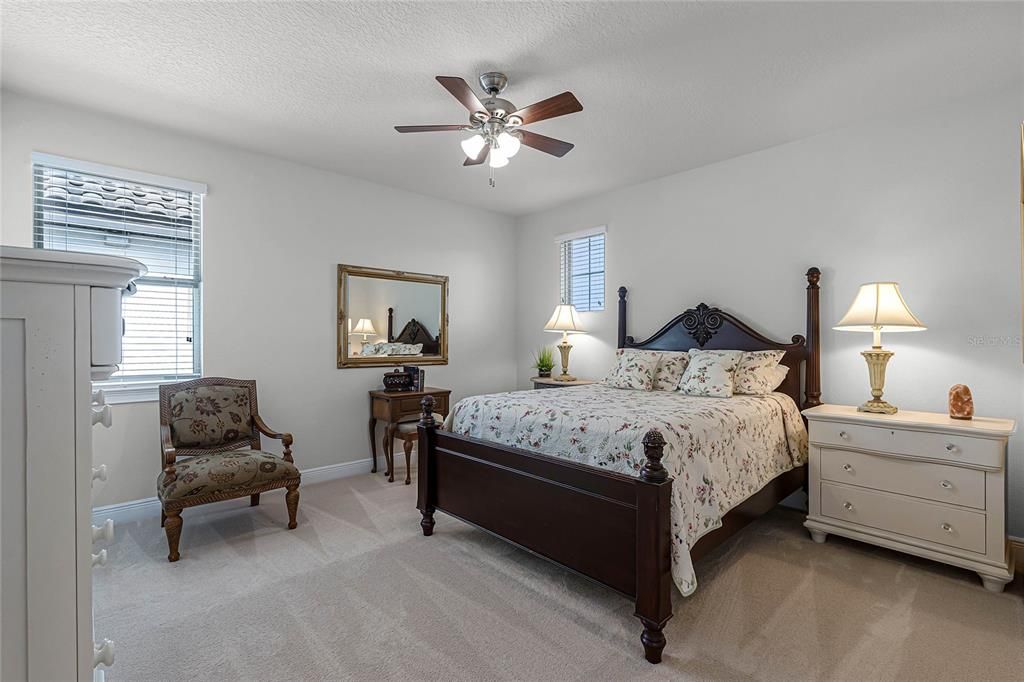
(581, 277)
(86, 207)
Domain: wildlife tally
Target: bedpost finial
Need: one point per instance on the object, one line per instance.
(813, 275)
(427, 415)
(622, 293)
(654, 448)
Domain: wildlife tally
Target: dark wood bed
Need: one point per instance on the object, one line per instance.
(413, 332)
(609, 527)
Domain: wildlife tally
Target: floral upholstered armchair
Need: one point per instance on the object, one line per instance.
(215, 424)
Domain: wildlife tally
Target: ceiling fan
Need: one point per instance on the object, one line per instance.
(496, 123)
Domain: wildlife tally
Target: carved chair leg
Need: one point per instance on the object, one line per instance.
(291, 498)
(172, 527)
(163, 517)
(407, 446)
(389, 458)
(653, 640)
(427, 522)
(254, 500)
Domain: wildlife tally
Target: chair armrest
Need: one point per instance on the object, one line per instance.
(168, 453)
(285, 438)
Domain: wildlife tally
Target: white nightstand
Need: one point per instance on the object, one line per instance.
(917, 482)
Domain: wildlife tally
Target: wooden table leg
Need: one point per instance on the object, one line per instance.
(389, 449)
(373, 444)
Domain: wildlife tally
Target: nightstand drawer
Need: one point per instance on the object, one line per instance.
(942, 525)
(939, 482)
(898, 440)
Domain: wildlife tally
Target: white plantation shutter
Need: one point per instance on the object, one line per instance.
(104, 210)
(581, 276)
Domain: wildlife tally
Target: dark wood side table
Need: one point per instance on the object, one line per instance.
(550, 382)
(392, 407)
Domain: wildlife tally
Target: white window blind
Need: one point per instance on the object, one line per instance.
(159, 225)
(581, 276)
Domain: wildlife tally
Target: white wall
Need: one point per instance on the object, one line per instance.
(274, 232)
(931, 200)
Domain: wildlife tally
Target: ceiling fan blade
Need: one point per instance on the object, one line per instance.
(485, 151)
(545, 144)
(426, 129)
(462, 92)
(559, 105)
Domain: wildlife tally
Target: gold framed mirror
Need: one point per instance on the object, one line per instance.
(389, 318)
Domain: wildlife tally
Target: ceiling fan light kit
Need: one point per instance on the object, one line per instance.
(495, 123)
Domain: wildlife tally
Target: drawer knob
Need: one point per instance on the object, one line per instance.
(100, 473)
(844, 434)
(948, 528)
(848, 506)
(103, 654)
(847, 468)
(100, 559)
(946, 484)
(104, 533)
(950, 447)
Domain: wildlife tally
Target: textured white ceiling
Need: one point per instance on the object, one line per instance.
(665, 86)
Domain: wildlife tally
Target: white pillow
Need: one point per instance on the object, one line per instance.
(754, 375)
(779, 373)
(670, 370)
(634, 369)
(710, 373)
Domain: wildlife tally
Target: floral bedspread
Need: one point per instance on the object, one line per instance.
(720, 451)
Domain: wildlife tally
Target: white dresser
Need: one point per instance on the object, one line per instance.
(918, 482)
(61, 329)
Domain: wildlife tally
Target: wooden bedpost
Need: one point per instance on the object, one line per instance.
(653, 546)
(622, 317)
(812, 370)
(425, 483)
(391, 325)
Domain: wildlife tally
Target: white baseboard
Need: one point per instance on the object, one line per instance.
(126, 512)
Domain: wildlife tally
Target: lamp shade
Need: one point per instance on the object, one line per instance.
(364, 327)
(879, 306)
(564, 319)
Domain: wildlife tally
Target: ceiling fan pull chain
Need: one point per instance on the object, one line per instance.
(491, 179)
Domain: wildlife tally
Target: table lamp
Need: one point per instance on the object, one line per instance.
(565, 319)
(364, 328)
(879, 307)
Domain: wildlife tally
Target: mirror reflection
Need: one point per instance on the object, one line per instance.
(391, 317)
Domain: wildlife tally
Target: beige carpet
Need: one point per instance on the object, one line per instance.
(357, 593)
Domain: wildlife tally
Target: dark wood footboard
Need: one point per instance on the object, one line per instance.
(608, 527)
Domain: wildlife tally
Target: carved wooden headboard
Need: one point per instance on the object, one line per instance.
(413, 332)
(711, 328)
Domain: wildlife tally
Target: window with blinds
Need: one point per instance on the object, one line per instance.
(156, 223)
(582, 271)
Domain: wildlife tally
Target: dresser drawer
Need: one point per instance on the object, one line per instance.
(939, 482)
(106, 326)
(412, 405)
(942, 525)
(961, 449)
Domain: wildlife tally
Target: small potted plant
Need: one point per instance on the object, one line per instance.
(544, 361)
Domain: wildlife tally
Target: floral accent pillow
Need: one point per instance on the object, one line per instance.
(710, 373)
(754, 375)
(670, 370)
(634, 369)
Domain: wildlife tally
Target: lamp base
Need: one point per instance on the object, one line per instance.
(564, 347)
(877, 358)
(878, 406)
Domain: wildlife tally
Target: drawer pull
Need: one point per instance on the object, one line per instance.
(104, 533)
(946, 484)
(950, 447)
(844, 435)
(948, 528)
(100, 473)
(100, 559)
(848, 506)
(103, 654)
(847, 468)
